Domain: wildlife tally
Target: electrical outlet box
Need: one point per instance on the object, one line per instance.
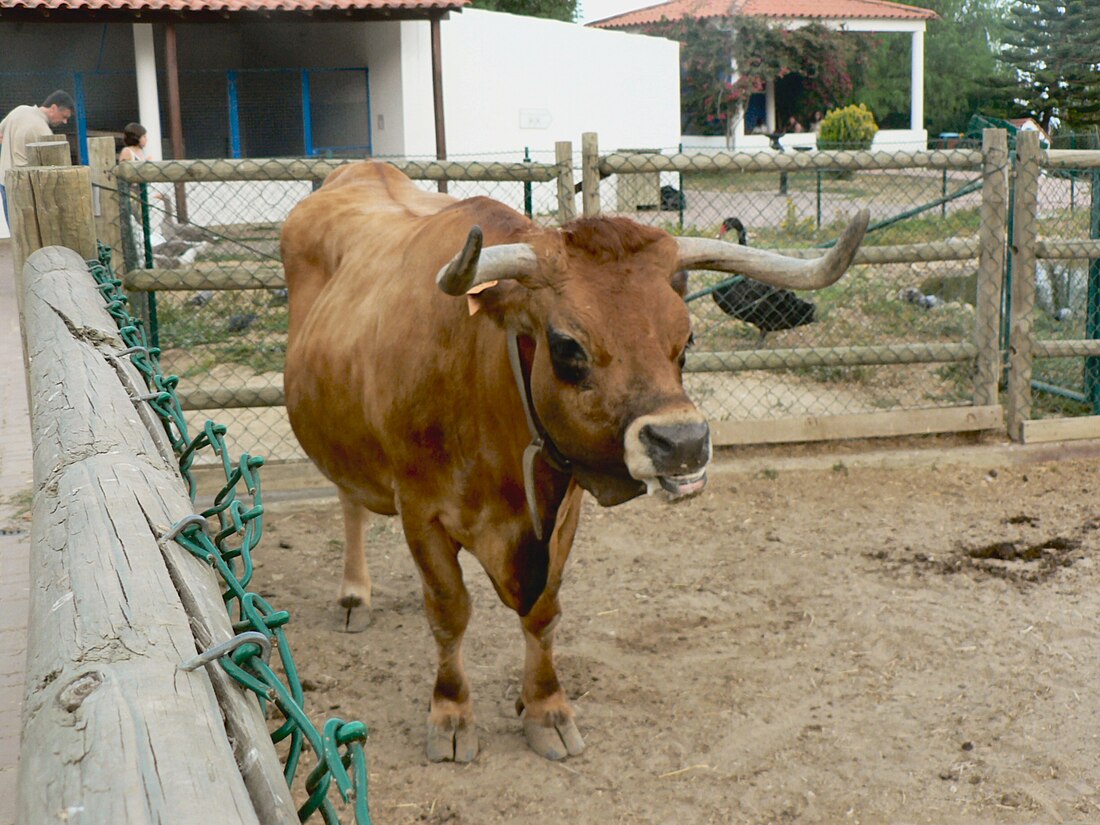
(534, 118)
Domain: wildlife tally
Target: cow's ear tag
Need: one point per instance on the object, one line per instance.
(471, 295)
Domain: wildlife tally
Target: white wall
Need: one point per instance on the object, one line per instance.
(885, 140)
(384, 57)
(511, 82)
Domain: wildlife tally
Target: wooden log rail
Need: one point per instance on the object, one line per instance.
(622, 163)
(1071, 159)
(990, 161)
(287, 169)
(733, 361)
(258, 275)
(113, 731)
(244, 275)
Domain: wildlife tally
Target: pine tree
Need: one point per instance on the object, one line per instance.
(961, 66)
(1051, 44)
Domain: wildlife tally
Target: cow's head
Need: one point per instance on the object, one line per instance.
(603, 331)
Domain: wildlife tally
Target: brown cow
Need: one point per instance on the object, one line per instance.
(480, 420)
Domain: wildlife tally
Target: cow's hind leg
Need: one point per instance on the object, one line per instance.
(452, 735)
(355, 586)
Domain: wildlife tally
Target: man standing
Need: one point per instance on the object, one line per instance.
(26, 124)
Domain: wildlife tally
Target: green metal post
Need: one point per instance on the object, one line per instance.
(1092, 311)
(683, 196)
(528, 205)
(146, 228)
(818, 198)
(126, 228)
(1006, 313)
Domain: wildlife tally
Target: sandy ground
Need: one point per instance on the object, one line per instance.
(792, 646)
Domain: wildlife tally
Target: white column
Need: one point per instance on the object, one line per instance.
(769, 105)
(735, 132)
(145, 64)
(916, 103)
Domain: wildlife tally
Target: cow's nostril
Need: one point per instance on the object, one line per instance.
(656, 438)
(676, 448)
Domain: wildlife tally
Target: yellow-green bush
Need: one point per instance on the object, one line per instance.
(852, 127)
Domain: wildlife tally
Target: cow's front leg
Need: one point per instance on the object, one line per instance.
(547, 717)
(452, 735)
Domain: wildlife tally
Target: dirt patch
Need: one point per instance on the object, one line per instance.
(836, 645)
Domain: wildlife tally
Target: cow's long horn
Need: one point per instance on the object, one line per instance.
(771, 268)
(474, 265)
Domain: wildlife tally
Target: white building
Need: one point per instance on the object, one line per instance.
(310, 81)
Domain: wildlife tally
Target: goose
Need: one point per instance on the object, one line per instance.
(767, 308)
(173, 231)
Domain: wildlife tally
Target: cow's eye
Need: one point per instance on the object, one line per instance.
(568, 357)
(683, 353)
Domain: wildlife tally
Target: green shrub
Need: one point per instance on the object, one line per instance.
(852, 127)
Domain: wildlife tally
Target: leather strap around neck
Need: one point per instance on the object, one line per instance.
(540, 442)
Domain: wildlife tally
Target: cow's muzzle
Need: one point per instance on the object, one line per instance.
(670, 451)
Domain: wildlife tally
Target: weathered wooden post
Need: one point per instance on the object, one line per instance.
(1025, 227)
(992, 236)
(51, 151)
(102, 162)
(48, 206)
(113, 730)
(567, 206)
(113, 211)
(590, 174)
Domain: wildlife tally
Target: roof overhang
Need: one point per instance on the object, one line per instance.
(847, 15)
(195, 11)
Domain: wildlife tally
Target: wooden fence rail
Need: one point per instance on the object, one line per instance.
(257, 275)
(983, 350)
(113, 730)
(288, 169)
(988, 249)
(1025, 347)
(620, 163)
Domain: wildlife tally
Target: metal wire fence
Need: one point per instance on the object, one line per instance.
(1054, 365)
(912, 339)
(904, 330)
(200, 242)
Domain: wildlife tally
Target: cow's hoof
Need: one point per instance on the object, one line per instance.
(355, 619)
(356, 613)
(455, 743)
(555, 741)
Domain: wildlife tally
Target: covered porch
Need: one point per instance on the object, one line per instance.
(856, 16)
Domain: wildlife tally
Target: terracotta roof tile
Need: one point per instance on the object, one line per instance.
(228, 5)
(782, 9)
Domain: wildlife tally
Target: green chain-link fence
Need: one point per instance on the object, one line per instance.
(918, 326)
(1054, 295)
(1067, 289)
(338, 747)
(903, 331)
